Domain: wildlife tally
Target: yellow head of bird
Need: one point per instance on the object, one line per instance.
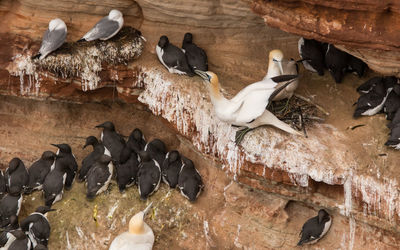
(136, 224)
(276, 55)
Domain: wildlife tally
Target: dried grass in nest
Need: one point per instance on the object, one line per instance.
(297, 112)
(85, 59)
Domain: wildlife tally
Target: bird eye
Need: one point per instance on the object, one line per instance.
(209, 77)
(274, 60)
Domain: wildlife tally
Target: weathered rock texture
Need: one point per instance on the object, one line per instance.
(349, 172)
(366, 29)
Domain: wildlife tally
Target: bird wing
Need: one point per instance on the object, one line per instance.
(52, 40)
(27, 221)
(103, 29)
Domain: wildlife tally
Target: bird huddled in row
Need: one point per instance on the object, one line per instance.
(382, 94)
(56, 34)
(32, 233)
(315, 228)
(137, 162)
(181, 61)
(317, 56)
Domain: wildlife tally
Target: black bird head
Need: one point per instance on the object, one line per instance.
(163, 41)
(48, 155)
(44, 209)
(136, 134)
(91, 140)
(13, 165)
(323, 216)
(64, 148)
(107, 125)
(173, 156)
(188, 38)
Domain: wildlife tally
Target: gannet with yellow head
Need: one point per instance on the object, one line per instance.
(248, 107)
(277, 66)
(139, 237)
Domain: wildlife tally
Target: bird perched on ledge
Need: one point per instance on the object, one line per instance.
(172, 57)
(248, 108)
(53, 38)
(315, 228)
(106, 28)
(277, 66)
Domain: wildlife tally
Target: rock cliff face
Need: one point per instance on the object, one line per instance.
(349, 172)
(366, 29)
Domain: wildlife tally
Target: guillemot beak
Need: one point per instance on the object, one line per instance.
(55, 145)
(202, 74)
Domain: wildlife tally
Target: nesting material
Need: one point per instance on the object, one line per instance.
(85, 60)
(297, 112)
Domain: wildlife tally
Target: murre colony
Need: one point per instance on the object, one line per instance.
(147, 164)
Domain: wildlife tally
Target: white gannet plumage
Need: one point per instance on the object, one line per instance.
(248, 107)
(277, 66)
(140, 236)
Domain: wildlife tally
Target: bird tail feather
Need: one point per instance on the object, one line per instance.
(267, 118)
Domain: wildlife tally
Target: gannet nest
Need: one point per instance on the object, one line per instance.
(297, 112)
(85, 59)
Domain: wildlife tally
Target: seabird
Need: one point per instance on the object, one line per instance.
(196, 56)
(53, 185)
(394, 140)
(395, 120)
(337, 62)
(89, 160)
(392, 104)
(99, 177)
(171, 167)
(356, 65)
(21, 241)
(278, 66)
(369, 84)
(3, 186)
(6, 236)
(127, 169)
(10, 206)
(315, 228)
(189, 181)
(37, 226)
(312, 55)
(112, 141)
(106, 28)
(372, 102)
(172, 57)
(66, 158)
(53, 38)
(248, 108)
(149, 175)
(17, 177)
(39, 170)
(136, 141)
(140, 235)
(157, 150)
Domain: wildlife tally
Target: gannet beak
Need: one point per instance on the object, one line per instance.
(280, 67)
(202, 74)
(146, 210)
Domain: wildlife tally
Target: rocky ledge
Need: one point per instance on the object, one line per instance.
(367, 29)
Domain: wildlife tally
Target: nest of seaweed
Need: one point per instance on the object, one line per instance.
(298, 112)
(85, 59)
